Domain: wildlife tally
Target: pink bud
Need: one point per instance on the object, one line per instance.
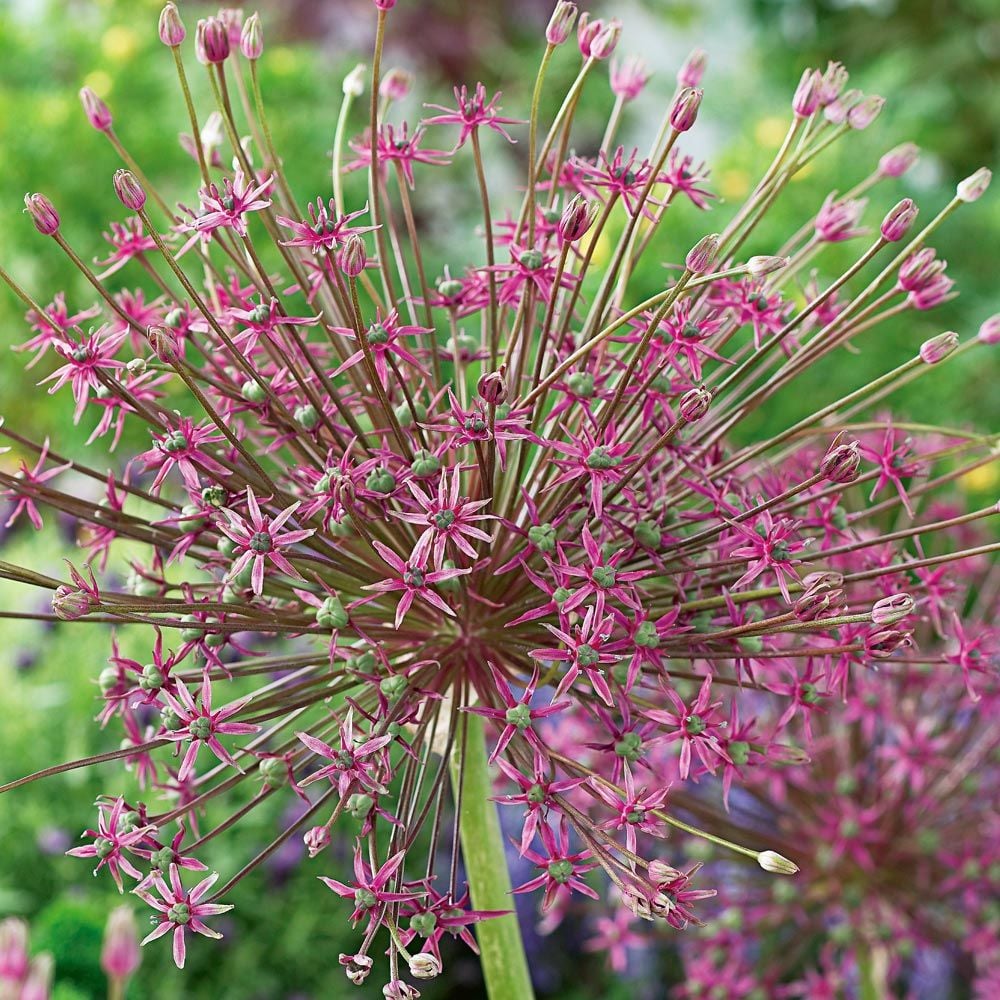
(890, 610)
(692, 69)
(811, 606)
(43, 214)
(211, 41)
(919, 268)
(897, 223)
(129, 190)
(863, 114)
(938, 348)
(71, 603)
(837, 110)
(974, 186)
(384, 4)
(492, 387)
(96, 110)
(989, 332)
(13, 950)
(898, 160)
(352, 256)
(695, 403)
(701, 256)
(832, 83)
(172, 31)
(38, 984)
(561, 22)
(396, 84)
(252, 38)
(628, 77)
(232, 19)
(586, 31)
(316, 839)
(805, 101)
(606, 40)
(757, 267)
(684, 113)
(120, 954)
(842, 462)
(576, 220)
(165, 343)
(660, 873)
(881, 643)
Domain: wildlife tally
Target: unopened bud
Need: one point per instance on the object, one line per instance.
(695, 403)
(890, 610)
(587, 30)
(832, 83)
(898, 160)
(352, 256)
(43, 214)
(881, 643)
(384, 4)
(660, 873)
(805, 101)
(606, 40)
(692, 69)
(813, 605)
(252, 38)
(354, 82)
(684, 112)
(424, 965)
(211, 41)
(757, 267)
(71, 603)
(576, 220)
(129, 190)
(120, 952)
(822, 580)
(561, 22)
(397, 989)
(492, 387)
(13, 951)
(396, 84)
(96, 110)
(172, 31)
(165, 343)
(315, 839)
(357, 967)
(776, 863)
(836, 111)
(841, 463)
(974, 186)
(863, 114)
(898, 221)
(701, 256)
(938, 348)
(989, 332)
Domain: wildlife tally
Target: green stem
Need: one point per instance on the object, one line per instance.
(504, 965)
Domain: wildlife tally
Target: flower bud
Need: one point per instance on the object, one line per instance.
(881, 643)
(805, 101)
(165, 343)
(701, 256)
(120, 952)
(812, 605)
(424, 965)
(841, 463)
(898, 221)
(757, 267)
(252, 38)
(357, 967)
(352, 256)
(989, 332)
(43, 214)
(837, 110)
(397, 989)
(692, 69)
(974, 186)
(863, 114)
(695, 403)
(890, 610)
(354, 82)
(38, 984)
(71, 603)
(606, 40)
(628, 77)
(172, 31)
(384, 4)
(96, 110)
(316, 839)
(938, 348)
(776, 864)
(822, 580)
(684, 113)
(561, 22)
(898, 160)
(13, 950)
(660, 873)
(492, 387)
(396, 84)
(211, 41)
(577, 218)
(832, 83)
(586, 31)
(129, 190)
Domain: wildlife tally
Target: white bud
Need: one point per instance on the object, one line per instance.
(776, 864)
(354, 82)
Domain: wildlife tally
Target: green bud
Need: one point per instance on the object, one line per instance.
(647, 533)
(253, 392)
(380, 480)
(331, 614)
(543, 537)
(425, 464)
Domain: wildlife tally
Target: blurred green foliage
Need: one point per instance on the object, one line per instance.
(285, 936)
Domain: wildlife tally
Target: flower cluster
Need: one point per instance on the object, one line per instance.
(399, 529)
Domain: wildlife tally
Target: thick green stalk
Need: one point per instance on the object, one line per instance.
(504, 965)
